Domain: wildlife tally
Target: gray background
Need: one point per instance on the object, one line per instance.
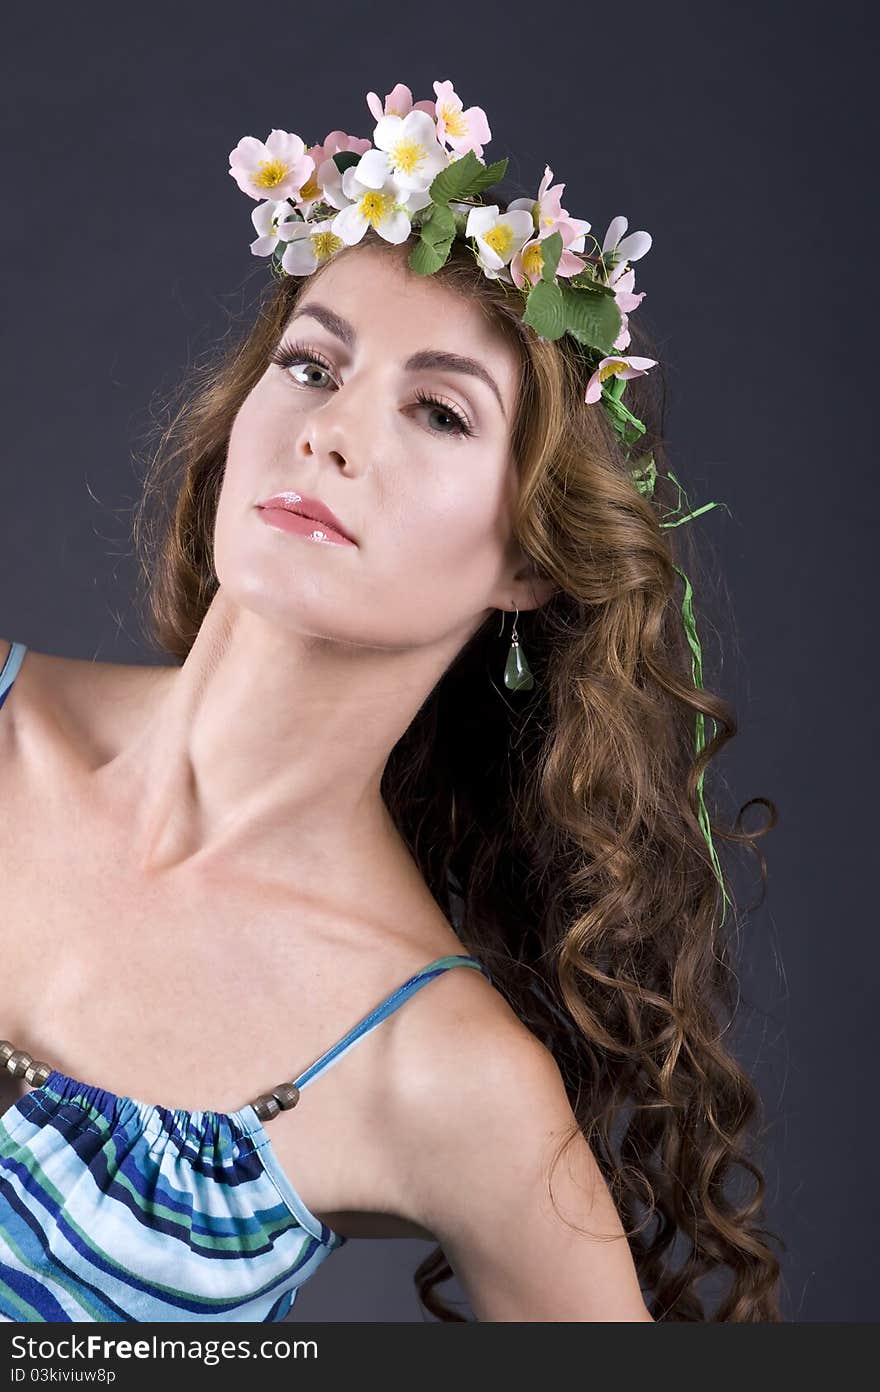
(740, 136)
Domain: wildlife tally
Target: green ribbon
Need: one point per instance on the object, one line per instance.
(629, 427)
(645, 476)
(690, 629)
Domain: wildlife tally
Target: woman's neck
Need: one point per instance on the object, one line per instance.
(263, 741)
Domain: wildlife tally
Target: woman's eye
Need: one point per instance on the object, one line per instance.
(312, 367)
(295, 356)
(298, 356)
(460, 425)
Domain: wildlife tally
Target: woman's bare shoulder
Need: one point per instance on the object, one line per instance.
(94, 703)
(477, 1133)
(471, 1019)
(465, 1019)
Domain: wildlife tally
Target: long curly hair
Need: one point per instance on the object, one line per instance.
(557, 828)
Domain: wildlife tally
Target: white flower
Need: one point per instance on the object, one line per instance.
(330, 180)
(498, 238)
(407, 151)
(388, 209)
(268, 219)
(631, 248)
(308, 245)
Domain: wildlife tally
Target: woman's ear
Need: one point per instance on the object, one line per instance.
(530, 590)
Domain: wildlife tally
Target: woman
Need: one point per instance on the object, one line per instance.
(334, 788)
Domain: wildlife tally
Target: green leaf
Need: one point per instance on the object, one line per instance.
(438, 226)
(465, 176)
(344, 159)
(545, 310)
(551, 250)
(592, 316)
(426, 258)
(644, 474)
(436, 235)
(492, 174)
(454, 180)
(584, 279)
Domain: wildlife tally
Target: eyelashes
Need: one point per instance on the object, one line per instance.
(461, 426)
(293, 353)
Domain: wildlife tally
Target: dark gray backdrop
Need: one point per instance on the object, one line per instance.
(740, 136)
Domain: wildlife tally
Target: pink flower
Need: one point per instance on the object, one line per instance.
(549, 216)
(550, 209)
(277, 169)
(617, 252)
(615, 367)
(622, 280)
(461, 130)
(398, 102)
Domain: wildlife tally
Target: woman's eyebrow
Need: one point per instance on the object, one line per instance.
(428, 357)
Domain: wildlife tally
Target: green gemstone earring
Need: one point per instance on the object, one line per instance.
(517, 673)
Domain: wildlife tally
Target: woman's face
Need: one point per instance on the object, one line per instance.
(426, 504)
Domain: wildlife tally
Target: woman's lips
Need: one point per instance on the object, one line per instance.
(314, 508)
(287, 521)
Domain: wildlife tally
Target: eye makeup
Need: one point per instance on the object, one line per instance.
(291, 354)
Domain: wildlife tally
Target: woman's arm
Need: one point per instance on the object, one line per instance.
(483, 1120)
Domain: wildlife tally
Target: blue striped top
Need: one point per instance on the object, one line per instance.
(113, 1209)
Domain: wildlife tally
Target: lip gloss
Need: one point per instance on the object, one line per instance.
(287, 521)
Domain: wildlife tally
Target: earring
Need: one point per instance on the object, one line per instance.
(517, 673)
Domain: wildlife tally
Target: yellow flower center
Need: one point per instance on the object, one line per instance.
(310, 189)
(407, 155)
(500, 239)
(610, 369)
(377, 206)
(325, 243)
(270, 173)
(453, 120)
(533, 260)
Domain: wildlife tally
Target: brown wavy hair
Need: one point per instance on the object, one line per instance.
(557, 828)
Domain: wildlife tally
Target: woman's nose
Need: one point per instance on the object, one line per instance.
(329, 431)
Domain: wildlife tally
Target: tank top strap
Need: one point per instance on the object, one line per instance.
(384, 1009)
(9, 670)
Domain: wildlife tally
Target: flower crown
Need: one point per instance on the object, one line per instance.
(424, 174)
